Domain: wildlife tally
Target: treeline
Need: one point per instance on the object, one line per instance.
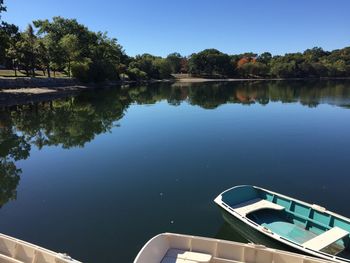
(65, 45)
(314, 62)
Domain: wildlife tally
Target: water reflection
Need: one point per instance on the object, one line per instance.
(13, 147)
(75, 121)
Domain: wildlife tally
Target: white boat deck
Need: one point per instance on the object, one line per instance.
(325, 239)
(255, 205)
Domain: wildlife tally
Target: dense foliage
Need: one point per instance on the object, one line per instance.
(65, 45)
(313, 62)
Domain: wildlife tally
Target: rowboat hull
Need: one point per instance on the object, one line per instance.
(13, 250)
(257, 217)
(251, 234)
(171, 248)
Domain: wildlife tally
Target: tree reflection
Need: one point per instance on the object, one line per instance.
(75, 121)
(13, 147)
(71, 122)
(9, 179)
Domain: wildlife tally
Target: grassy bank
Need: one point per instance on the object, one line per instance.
(8, 73)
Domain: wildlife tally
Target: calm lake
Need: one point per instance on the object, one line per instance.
(98, 174)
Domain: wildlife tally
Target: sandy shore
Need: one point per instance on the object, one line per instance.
(11, 97)
(43, 90)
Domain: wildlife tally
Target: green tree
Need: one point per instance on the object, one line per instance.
(51, 55)
(175, 62)
(94, 56)
(283, 69)
(81, 69)
(163, 67)
(12, 51)
(253, 69)
(43, 57)
(145, 63)
(264, 58)
(26, 50)
(60, 27)
(136, 74)
(106, 57)
(3, 39)
(71, 51)
(7, 31)
(210, 62)
(314, 54)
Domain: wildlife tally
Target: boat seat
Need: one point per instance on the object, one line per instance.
(254, 205)
(178, 255)
(6, 259)
(325, 239)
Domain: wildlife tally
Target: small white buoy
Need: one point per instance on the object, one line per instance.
(172, 222)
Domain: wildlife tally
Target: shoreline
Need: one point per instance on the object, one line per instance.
(19, 96)
(33, 93)
(198, 80)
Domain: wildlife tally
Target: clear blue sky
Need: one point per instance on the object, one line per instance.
(160, 27)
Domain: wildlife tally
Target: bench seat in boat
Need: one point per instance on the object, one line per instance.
(325, 239)
(254, 205)
(178, 255)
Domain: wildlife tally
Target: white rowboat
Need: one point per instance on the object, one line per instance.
(13, 250)
(177, 248)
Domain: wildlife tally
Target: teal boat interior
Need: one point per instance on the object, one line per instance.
(309, 226)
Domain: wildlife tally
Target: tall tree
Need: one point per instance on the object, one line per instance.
(106, 57)
(7, 31)
(264, 58)
(175, 60)
(210, 62)
(71, 51)
(27, 52)
(59, 27)
(12, 50)
(44, 57)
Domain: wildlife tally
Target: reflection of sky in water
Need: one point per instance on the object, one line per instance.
(161, 167)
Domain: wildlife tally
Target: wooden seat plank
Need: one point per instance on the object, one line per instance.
(325, 239)
(254, 205)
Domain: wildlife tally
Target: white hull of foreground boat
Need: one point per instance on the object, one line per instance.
(177, 248)
(13, 250)
(311, 247)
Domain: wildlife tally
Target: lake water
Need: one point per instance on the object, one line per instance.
(98, 174)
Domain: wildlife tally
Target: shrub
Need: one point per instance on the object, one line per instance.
(81, 70)
(136, 74)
